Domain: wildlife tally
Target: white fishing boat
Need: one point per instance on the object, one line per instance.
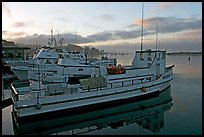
(149, 114)
(47, 56)
(51, 66)
(54, 64)
(147, 76)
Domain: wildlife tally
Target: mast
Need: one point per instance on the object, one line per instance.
(51, 37)
(142, 25)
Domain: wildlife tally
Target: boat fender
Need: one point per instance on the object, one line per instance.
(143, 89)
(38, 106)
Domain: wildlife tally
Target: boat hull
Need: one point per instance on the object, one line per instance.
(128, 113)
(68, 108)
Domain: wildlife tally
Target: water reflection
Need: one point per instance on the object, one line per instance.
(149, 114)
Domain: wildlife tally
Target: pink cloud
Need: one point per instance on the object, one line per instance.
(192, 34)
(139, 22)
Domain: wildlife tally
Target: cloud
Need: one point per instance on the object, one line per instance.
(132, 25)
(114, 35)
(165, 5)
(105, 17)
(191, 34)
(169, 45)
(8, 34)
(102, 36)
(22, 24)
(167, 25)
(63, 19)
(194, 33)
(146, 23)
(88, 25)
(72, 38)
(127, 34)
(43, 39)
(19, 24)
(5, 9)
(32, 39)
(171, 24)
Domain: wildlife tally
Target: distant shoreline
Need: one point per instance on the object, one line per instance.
(185, 53)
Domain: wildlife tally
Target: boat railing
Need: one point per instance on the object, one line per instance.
(22, 92)
(90, 89)
(125, 83)
(132, 82)
(25, 94)
(57, 89)
(14, 93)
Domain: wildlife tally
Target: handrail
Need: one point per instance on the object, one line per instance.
(122, 84)
(14, 93)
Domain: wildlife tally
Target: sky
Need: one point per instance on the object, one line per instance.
(109, 26)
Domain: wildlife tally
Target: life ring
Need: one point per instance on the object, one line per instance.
(143, 89)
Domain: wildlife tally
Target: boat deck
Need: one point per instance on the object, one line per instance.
(25, 93)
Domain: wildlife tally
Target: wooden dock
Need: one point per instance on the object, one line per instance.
(6, 95)
(6, 98)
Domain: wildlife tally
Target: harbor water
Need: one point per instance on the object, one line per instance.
(180, 116)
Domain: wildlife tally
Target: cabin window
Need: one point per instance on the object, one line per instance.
(76, 79)
(55, 62)
(49, 62)
(80, 69)
(141, 58)
(61, 56)
(37, 73)
(163, 55)
(148, 79)
(166, 76)
(55, 72)
(149, 59)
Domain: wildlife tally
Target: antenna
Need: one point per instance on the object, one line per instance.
(51, 36)
(142, 24)
(75, 35)
(58, 39)
(162, 39)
